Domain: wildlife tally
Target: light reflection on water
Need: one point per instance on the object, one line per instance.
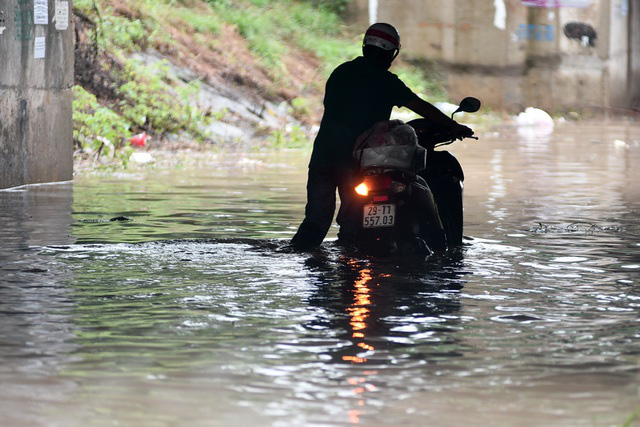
(193, 312)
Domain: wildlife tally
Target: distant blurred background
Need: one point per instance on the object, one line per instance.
(558, 55)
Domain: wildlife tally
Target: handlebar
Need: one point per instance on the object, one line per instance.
(431, 136)
(451, 141)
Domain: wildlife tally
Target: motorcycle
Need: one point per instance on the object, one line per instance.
(411, 194)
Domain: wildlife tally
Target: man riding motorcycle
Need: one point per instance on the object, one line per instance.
(358, 94)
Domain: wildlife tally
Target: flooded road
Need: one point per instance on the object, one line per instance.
(168, 298)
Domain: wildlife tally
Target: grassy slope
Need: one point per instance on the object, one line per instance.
(276, 50)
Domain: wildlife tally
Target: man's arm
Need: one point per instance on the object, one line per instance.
(437, 117)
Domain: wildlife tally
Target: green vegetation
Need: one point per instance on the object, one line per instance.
(246, 38)
(150, 99)
(142, 97)
(271, 27)
(99, 130)
(293, 137)
(153, 99)
(633, 418)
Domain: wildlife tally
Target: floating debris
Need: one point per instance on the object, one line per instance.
(574, 227)
(114, 219)
(519, 318)
(35, 270)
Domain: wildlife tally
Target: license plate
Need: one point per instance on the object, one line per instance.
(379, 216)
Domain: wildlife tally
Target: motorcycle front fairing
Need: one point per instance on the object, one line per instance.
(445, 178)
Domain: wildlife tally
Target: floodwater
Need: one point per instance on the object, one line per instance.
(167, 298)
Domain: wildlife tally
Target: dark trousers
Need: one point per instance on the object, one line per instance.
(321, 204)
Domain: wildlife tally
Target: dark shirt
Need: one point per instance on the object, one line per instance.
(359, 93)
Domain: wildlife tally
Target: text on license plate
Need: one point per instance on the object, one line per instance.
(379, 215)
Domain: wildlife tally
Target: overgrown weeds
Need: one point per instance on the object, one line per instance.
(129, 96)
(271, 27)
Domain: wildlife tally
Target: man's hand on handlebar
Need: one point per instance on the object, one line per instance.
(461, 131)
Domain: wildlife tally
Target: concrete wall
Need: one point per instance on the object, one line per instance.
(36, 130)
(634, 61)
(623, 47)
(512, 55)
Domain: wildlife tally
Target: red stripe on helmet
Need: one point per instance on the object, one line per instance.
(382, 35)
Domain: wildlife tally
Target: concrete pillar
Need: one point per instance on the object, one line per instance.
(623, 45)
(633, 66)
(36, 77)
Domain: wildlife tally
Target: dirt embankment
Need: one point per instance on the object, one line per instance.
(232, 79)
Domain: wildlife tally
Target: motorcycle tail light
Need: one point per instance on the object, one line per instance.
(381, 182)
(362, 189)
(373, 183)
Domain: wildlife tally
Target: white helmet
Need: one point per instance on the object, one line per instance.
(382, 35)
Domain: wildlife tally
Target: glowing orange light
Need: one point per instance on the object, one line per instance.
(354, 359)
(366, 346)
(359, 314)
(362, 189)
(363, 298)
(358, 326)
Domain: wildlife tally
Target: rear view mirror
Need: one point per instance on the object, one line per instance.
(469, 105)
